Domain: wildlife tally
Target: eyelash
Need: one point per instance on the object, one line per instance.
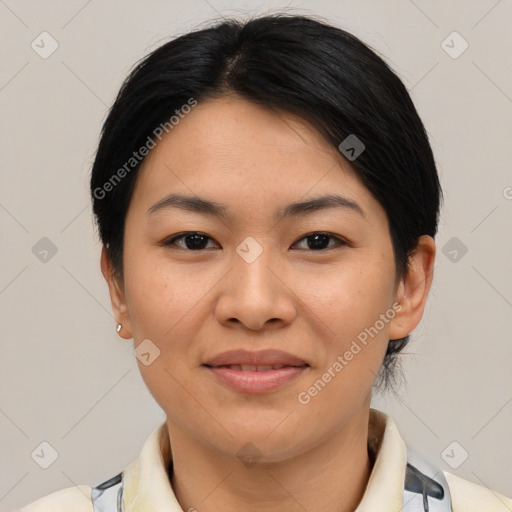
(169, 242)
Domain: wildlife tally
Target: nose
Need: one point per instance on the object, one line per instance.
(256, 294)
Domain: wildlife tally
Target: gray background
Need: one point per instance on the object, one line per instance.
(69, 380)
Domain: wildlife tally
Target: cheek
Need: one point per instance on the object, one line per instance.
(347, 312)
(159, 294)
(347, 298)
(164, 302)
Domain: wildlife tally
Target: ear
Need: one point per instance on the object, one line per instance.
(117, 298)
(413, 289)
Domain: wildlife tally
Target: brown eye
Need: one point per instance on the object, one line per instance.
(197, 241)
(192, 241)
(320, 241)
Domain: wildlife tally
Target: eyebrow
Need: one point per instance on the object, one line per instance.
(206, 207)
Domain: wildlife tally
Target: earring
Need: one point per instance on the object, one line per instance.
(119, 327)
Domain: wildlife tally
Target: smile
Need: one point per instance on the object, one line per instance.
(255, 379)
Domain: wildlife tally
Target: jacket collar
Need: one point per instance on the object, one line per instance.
(147, 487)
(385, 488)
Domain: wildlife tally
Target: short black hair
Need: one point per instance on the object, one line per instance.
(296, 64)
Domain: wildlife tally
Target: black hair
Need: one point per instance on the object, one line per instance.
(295, 64)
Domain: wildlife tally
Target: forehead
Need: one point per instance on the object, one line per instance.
(230, 149)
(236, 133)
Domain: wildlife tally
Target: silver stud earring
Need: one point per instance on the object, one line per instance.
(119, 327)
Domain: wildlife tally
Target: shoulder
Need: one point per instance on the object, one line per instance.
(468, 496)
(70, 499)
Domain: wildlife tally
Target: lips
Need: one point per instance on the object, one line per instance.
(262, 360)
(253, 367)
(259, 372)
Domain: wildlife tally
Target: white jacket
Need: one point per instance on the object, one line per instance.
(144, 485)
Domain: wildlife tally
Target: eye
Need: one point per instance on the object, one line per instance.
(192, 240)
(317, 241)
(197, 241)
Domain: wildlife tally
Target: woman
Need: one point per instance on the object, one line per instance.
(267, 200)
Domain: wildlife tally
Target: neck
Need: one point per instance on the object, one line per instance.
(331, 476)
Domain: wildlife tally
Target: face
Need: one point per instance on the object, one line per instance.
(318, 284)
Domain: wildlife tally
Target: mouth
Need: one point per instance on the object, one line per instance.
(260, 360)
(256, 367)
(256, 379)
(255, 372)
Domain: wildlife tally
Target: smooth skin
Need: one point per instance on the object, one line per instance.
(194, 304)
